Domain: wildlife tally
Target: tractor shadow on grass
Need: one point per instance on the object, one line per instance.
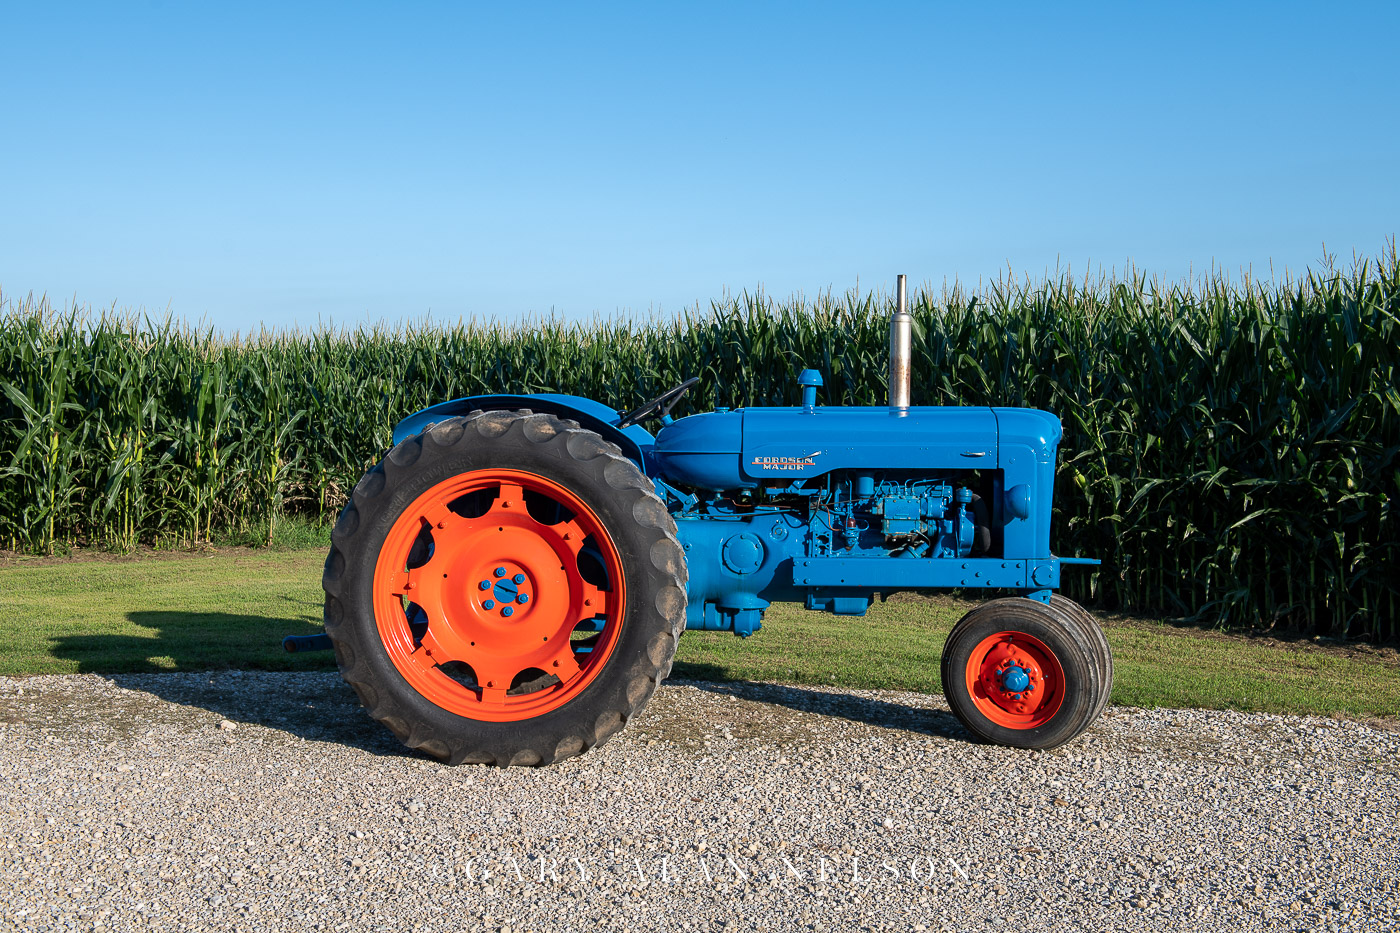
(233, 666)
(882, 714)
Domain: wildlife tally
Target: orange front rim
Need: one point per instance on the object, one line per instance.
(1015, 680)
(499, 595)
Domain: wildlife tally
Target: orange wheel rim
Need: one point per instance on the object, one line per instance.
(1015, 680)
(498, 595)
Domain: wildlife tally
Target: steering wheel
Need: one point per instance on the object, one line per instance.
(665, 402)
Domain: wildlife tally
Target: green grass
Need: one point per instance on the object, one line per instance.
(160, 612)
(231, 608)
(898, 645)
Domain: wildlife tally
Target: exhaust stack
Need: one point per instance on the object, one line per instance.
(901, 353)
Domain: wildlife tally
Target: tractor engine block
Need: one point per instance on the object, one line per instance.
(909, 518)
(745, 547)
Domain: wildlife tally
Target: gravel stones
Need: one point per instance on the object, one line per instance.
(126, 804)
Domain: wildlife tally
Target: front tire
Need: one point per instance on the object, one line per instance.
(504, 588)
(1021, 673)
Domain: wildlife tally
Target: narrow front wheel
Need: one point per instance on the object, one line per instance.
(1020, 673)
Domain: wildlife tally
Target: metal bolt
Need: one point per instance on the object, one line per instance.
(489, 604)
(500, 571)
(519, 578)
(507, 611)
(523, 598)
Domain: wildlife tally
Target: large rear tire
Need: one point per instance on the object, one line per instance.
(504, 588)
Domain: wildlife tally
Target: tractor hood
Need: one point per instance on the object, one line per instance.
(742, 448)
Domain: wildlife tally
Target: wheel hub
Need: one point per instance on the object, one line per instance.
(1015, 680)
(504, 593)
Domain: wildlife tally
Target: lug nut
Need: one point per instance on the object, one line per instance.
(523, 598)
(484, 585)
(507, 611)
(519, 578)
(489, 604)
(500, 571)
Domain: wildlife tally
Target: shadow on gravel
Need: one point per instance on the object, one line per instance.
(880, 713)
(315, 707)
(224, 662)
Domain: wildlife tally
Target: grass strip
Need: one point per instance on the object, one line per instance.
(231, 608)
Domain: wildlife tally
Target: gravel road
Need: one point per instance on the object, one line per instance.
(260, 801)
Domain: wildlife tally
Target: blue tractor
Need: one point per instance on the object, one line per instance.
(509, 584)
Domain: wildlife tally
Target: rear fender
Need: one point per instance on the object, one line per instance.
(636, 442)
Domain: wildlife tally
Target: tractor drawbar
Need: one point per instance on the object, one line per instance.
(296, 644)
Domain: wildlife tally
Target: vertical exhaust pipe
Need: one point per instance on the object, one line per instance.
(901, 353)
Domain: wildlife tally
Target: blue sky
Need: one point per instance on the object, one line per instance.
(247, 164)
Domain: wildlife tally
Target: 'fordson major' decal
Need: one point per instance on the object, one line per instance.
(786, 463)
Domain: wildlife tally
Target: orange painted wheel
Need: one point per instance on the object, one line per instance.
(1022, 673)
(1015, 680)
(504, 588)
(480, 599)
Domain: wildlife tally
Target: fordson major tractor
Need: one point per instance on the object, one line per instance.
(509, 583)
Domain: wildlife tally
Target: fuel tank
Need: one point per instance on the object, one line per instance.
(743, 448)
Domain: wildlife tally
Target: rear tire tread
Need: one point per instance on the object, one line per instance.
(524, 745)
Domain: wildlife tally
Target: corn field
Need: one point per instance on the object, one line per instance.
(1231, 451)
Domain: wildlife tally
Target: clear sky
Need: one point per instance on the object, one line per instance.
(284, 163)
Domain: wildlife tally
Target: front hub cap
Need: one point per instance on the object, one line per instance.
(1015, 680)
(502, 592)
